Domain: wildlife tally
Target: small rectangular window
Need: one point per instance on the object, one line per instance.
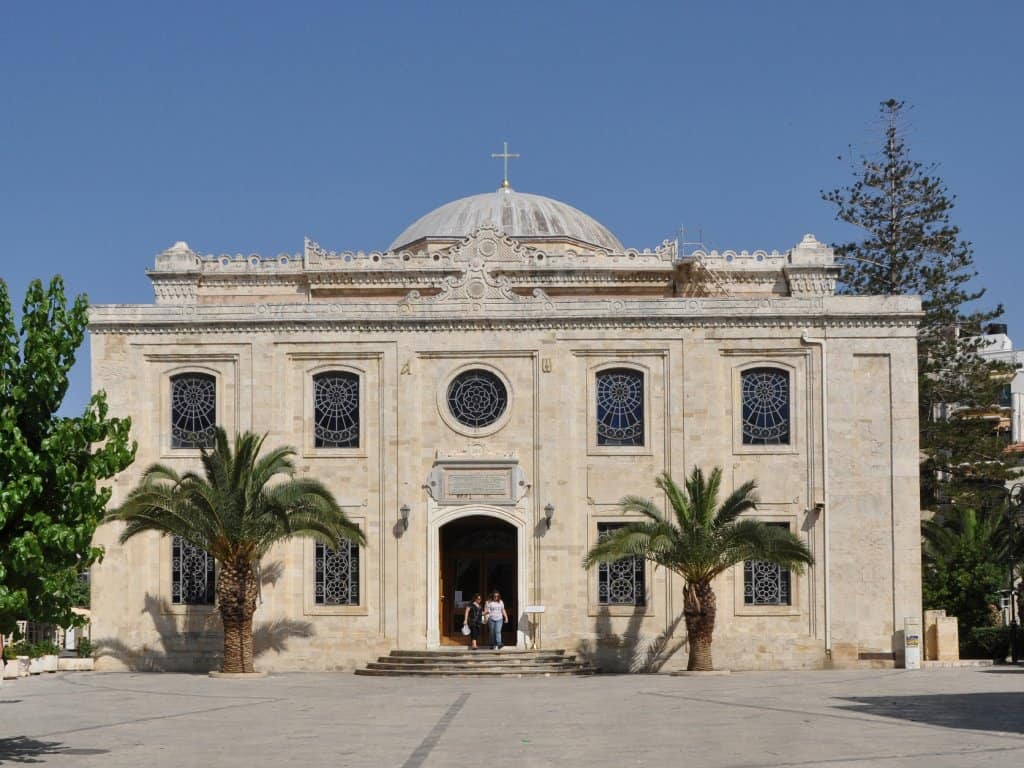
(193, 574)
(336, 577)
(621, 582)
(766, 583)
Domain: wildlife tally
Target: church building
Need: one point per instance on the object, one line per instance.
(479, 396)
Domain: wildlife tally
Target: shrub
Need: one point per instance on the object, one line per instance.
(84, 648)
(22, 648)
(986, 643)
(47, 648)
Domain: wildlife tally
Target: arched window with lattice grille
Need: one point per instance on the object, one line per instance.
(765, 406)
(193, 410)
(620, 407)
(336, 410)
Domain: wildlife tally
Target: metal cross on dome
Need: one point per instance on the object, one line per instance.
(505, 156)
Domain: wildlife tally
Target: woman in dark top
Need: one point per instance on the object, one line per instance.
(471, 619)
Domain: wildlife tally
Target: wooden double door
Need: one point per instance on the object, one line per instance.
(478, 554)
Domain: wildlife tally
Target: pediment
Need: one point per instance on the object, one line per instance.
(480, 257)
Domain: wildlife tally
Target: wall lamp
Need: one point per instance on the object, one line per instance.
(549, 512)
(404, 510)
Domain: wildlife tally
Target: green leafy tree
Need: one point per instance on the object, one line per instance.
(51, 467)
(965, 565)
(236, 511)
(908, 245)
(699, 541)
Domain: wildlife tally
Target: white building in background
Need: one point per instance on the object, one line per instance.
(999, 346)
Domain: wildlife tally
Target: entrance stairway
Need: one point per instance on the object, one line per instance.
(508, 662)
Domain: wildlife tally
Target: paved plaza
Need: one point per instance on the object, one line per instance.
(954, 717)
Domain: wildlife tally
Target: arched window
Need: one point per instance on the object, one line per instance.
(192, 574)
(336, 578)
(620, 407)
(336, 410)
(477, 398)
(193, 410)
(765, 399)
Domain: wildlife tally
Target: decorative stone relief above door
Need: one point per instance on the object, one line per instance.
(476, 478)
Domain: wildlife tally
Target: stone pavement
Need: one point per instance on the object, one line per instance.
(935, 718)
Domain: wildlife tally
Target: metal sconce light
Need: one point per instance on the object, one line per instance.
(404, 510)
(549, 512)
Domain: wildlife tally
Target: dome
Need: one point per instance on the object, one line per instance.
(517, 214)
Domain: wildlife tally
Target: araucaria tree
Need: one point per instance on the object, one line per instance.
(908, 245)
(240, 506)
(51, 467)
(699, 541)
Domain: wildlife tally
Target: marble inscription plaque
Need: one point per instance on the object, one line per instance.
(477, 484)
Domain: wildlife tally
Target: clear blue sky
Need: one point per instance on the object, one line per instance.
(242, 127)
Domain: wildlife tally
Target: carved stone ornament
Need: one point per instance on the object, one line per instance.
(478, 285)
(476, 477)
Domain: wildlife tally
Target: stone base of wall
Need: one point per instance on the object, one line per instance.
(653, 654)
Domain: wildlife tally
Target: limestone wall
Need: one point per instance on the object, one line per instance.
(691, 358)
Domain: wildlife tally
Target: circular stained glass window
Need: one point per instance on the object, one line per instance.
(477, 398)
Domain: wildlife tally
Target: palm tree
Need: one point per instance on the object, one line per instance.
(700, 541)
(965, 564)
(242, 505)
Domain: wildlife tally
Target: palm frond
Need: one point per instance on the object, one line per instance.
(236, 509)
(629, 540)
(646, 507)
(739, 501)
(704, 539)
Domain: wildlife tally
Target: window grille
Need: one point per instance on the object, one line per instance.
(623, 581)
(337, 574)
(193, 574)
(336, 410)
(193, 410)
(620, 407)
(477, 398)
(765, 397)
(766, 583)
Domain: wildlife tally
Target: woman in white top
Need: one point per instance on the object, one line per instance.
(494, 610)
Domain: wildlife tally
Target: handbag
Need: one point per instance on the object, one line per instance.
(465, 629)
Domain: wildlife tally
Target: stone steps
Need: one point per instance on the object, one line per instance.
(482, 663)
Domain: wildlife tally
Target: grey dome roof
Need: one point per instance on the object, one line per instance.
(517, 214)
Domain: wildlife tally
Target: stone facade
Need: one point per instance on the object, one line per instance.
(545, 316)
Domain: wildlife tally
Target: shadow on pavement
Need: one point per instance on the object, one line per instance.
(22, 749)
(192, 641)
(972, 711)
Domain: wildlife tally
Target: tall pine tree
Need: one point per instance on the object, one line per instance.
(909, 246)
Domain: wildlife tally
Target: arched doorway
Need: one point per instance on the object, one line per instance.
(478, 553)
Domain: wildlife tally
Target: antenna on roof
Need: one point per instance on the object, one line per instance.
(687, 247)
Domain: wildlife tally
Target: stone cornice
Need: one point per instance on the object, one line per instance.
(467, 313)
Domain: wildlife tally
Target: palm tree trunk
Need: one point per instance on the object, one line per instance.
(236, 600)
(699, 608)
